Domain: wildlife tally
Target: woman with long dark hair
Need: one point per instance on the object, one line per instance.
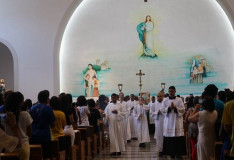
(13, 104)
(67, 109)
(206, 126)
(84, 110)
(60, 119)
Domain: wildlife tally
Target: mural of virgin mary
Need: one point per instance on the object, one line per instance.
(144, 30)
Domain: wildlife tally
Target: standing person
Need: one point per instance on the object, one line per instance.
(125, 122)
(102, 102)
(113, 115)
(13, 104)
(68, 111)
(43, 117)
(212, 91)
(84, 111)
(173, 130)
(142, 124)
(133, 126)
(10, 143)
(156, 113)
(60, 122)
(206, 126)
(192, 127)
(151, 119)
(228, 122)
(94, 115)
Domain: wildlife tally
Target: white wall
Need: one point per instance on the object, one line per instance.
(182, 29)
(31, 29)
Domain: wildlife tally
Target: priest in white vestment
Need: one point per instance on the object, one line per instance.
(173, 130)
(114, 115)
(125, 121)
(142, 125)
(158, 117)
(133, 124)
(151, 119)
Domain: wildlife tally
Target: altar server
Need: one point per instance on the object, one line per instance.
(113, 116)
(158, 117)
(125, 121)
(133, 125)
(142, 125)
(151, 119)
(173, 132)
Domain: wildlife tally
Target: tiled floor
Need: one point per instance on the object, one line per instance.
(133, 152)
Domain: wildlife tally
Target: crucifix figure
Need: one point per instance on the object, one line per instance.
(140, 74)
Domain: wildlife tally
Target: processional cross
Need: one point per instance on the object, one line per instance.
(140, 74)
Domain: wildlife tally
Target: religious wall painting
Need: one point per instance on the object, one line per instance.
(145, 96)
(91, 77)
(199, 69)
(145, 33)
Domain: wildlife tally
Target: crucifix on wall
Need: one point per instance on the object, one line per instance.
(140, 74)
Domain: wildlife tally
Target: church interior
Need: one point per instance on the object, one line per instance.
(98, 79)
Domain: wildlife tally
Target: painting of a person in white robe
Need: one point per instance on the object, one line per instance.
(144, 30)
(91, 72)
(113, 116)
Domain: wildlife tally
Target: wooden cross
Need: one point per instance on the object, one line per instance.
(140, 74)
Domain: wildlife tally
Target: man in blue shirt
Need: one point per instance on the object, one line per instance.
(43, 118)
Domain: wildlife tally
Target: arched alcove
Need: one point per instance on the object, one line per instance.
(85, 32)
(6, 66)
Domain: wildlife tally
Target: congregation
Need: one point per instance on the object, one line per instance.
(183, 128)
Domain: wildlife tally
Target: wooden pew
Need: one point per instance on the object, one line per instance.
(72, 153)
(102, 134)
(93, 137)
(52, 149)
(85, 135)
(100, 137)
(9, 156)
(80, 145)
(65, 144)
(36, 152)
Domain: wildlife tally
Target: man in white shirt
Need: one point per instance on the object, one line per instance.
(125, 122)
(114, 115)
(173, 130)
(155, 113)
(142, 125)
(133, 123)
(151, 119)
